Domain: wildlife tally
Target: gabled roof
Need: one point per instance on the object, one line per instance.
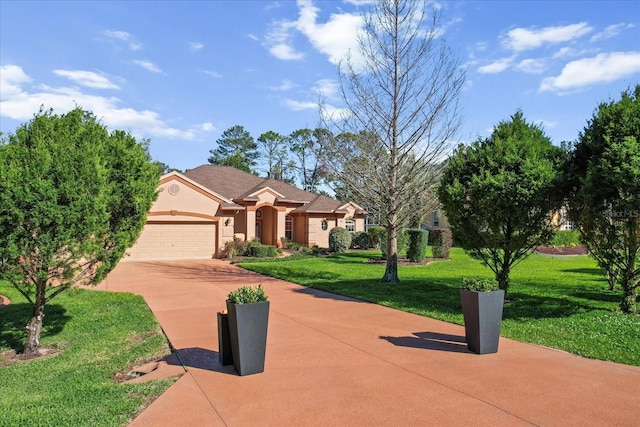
(225, 202)
(239, 186)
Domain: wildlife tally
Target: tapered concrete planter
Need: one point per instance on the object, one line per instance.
(482, 313)
(248, 331)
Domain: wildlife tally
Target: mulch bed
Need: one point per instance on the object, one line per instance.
(562, 250)
(4, 301)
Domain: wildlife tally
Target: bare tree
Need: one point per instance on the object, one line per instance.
(402, 95)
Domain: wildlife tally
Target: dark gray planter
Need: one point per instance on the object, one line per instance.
(224, 340)
(248, 330)
(482, 313)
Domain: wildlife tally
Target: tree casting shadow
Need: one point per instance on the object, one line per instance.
(14, 317)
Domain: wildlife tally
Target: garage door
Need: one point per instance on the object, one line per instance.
(174, 242)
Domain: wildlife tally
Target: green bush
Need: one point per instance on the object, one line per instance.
(236, 247)
(565, 238)
(418, 239)
(262, 251)
(442, 242)
(477, 284)
(339, 240)
(375, 236)
(361, 240)
(248, 295)
(403, 242)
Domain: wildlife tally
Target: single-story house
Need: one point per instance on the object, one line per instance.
(198, 211)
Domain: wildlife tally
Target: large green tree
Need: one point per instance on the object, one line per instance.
(604, 191)
(499, 192)
(73, 198)
(402, 91)
(273, 148)
(236, 148)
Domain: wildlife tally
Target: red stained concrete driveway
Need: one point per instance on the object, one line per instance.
(334, 361)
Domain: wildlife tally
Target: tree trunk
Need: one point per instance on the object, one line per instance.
(502, 277)
(628, 304)
(34, 328)
(391, 271)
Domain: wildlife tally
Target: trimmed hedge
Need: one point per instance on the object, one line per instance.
(442, 242)
(361, 240)
(418, 240)
(403, 242)
(262, 251)
(376, 234)
(565, 238)
(339, 240)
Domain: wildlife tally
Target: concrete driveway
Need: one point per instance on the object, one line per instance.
(335, 361)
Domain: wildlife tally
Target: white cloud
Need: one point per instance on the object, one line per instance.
(207, 127)
(279, 41)
(496, 67)
(253, 37)
(19, 103)
(87, 78)
(519, 39)
(195, 46)
(11, 80)
(148, 65)
(610, 31)
(334, 38)
(567, 52)
(123, 36)
(214, 74)
(326, 88)
(603, 68)
(284, 86)
(299, 105)
(531, 66)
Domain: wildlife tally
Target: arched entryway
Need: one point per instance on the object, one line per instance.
(267, 225)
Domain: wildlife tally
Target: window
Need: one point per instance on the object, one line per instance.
(258, 213)
(324, 225)
(288, 228)
(350, 225)
(436, 218)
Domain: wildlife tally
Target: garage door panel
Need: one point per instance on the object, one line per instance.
(175, 241)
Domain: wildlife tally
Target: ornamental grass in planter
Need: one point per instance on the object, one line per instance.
(248, 309)
(482, 303)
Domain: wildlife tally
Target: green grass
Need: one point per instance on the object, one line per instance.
(99, 334)
(560, 302)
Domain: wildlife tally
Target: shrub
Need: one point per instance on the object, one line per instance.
(248, 295)
(375, 234)
(417, 244)
(236, 247)
(565, 238)
(262, 251)
(339, 240)
(361, 240)
(403, 241)
(442, 242)
(477, 284)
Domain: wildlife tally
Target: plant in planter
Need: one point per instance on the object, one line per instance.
(482, 302)
(248, 309)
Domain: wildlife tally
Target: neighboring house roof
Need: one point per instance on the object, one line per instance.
(239, 186)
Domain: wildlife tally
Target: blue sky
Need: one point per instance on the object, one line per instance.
(180, 73)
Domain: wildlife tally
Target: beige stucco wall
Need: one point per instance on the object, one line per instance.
(185, 200)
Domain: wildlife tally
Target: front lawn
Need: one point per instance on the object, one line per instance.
(556, 301)
(95, 335)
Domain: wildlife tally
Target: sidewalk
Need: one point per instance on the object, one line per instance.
(335, 361)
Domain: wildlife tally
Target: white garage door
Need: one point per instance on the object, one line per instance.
(174, 242)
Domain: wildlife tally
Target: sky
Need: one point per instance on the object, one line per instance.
(180, 73)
